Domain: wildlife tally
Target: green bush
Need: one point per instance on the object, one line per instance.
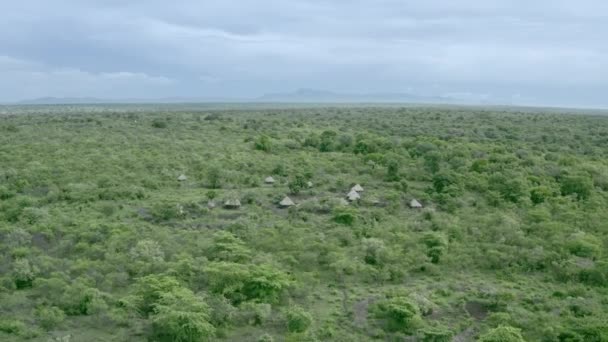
(579, 185)
(345, 216)
(502, 334)
(298, 320)
(399, 314)
(50, 317)
(263, 143)
(181, 316)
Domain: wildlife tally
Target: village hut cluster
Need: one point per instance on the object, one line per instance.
(232, 202)
(354, 193)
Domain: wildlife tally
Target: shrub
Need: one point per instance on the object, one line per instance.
(297, 184)
(298, 320)
(392, 171)
(50, 317)
(159, 123)
(239, 283)
(23, 273)
(265, 338)
(12, 326)
(539, 194)
(150, 290)
(399, 314)
(502, 334)
(214, 178)
(436, 334)
(263, 143)
(344, 216)
(578, 185)
(181, 316)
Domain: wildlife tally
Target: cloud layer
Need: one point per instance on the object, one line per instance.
(541, 52)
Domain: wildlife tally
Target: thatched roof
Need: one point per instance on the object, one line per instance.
(309, 184)
(269, 180)
(353, 196)
(286, 202)
(232, 203)
(182, 178)
(357, 188)
(415, 204)
(342, 201)
(210, 204)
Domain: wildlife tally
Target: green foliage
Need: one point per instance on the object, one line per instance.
(181, 316)
(23, 273)
(298, 320)
(100, 242)
(263, 143)
(579, 185)
(50, 317)
(214, 178)
(150, 290)
(345, 216)
(296, 184)
(239, 282)
(159, 123)
(436, 334)
(540, 194)
(436, 244)
(399, 314)
(12, 326)
(392, 170)
(327, 141)
(502, 334)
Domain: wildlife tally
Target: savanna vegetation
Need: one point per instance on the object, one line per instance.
(100, 241)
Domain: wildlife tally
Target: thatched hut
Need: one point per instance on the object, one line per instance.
(357, 188)
(232, 203)
(353, 196)
(182, 178)
(269, 180)
(415, 204)
(286, 202)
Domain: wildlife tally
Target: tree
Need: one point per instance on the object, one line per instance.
(214, 178)
(327, 141)
(502, 334)
(432, 161)
(49, 317)
(23, 273)
(399, 313)
(150, 290)
(297, 184)
(436, 244)
(579, 185)
(181, 316)
(392, 170)
(239, 282)
(539, 194)
(298, 320)
(263, 143)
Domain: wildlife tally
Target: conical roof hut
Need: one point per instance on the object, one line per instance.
(269, 180)
(182, 178)
(232, 203)
(286, 202)
(353, 196)
(415, 204)
(357, 188)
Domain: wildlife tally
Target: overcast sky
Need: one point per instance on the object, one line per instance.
(552, 52)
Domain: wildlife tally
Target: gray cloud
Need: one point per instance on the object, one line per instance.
(546, 52)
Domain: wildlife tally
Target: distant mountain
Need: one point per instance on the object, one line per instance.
(95, 100)
(298, 96)
(313, 95)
